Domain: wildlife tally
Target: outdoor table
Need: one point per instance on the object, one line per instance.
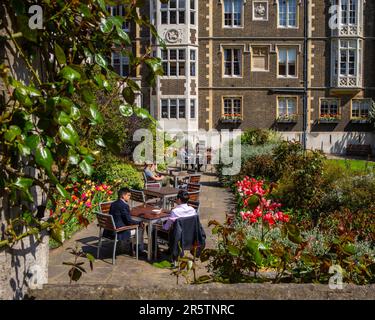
(163, 193)
(145, 214)
(179, 174)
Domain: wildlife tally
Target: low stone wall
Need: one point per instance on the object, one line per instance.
(214, 291)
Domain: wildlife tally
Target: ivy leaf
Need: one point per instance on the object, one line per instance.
(62, 191)
(123, 35)
(70, 74)
(126, 110)
(43, 157)
(86, 168)
(57, 233)
(23, 183)
(95, 115)
(68, 135)
(102, 5)
(99, 59)
(24, 150)
(75, 114)
(12, 133)
(32, 141)
(73, 157)
(106, 25)
(100, 142)
(128, 95)
(60, 55)
(63, 119)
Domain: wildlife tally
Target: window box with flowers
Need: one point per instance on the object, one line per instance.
(287, 118)
(329, 118)
(363, 120)
(231, 118)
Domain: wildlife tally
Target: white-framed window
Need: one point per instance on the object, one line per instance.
(287, 62)
(329, 108)
(173, 108)
(120, 64)
(260, 10)
(259, 58)
(174, 62)
(348, 57)
(173, 12)
(193, 12)
(232, 62)
(286, 107)
(348, 12)
(119, 11)
(232, 107)
(287, 13)
(193, 109)
(233, 12)
(193, 63)
(361, 108)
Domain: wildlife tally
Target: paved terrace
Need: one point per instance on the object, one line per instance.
(215, 202)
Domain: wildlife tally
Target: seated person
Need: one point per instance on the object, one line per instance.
(121, 215)
(182, 210)
(150, 173)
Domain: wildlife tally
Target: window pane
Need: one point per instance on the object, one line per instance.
(173, 109)
(282, 107)
(172, 3)
(192, 69)
(192, 55)
(181, 4)
(173, 54)
(164, 17)
(181, 68)
(292, 106)
(181, 109)
(192, 109)
(227, 106)
(164, 108)
(173, 68)
(181, 54)
(237, 107)
(192, 17)
(181, 17)
(192, 4)
(172, 17)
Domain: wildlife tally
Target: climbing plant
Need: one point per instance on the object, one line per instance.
(48, 114)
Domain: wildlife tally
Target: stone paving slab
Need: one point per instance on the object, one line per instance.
(127, 270)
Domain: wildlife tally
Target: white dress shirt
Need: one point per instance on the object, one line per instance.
(181, 211)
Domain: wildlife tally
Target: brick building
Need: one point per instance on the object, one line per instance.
(297, 66)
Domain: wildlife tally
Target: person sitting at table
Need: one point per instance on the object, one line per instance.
(150, 173)
(121, 215)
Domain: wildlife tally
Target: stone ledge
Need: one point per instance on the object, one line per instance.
(215, 291)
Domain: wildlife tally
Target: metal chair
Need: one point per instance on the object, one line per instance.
(105, 206)
(191, 187)
(194, 195)
(106, 222)
(139, 196)
(152, 185)
(195, 178)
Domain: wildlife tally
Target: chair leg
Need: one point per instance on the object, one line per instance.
(99, 243)
(114, 250)
(155, 244)
(136, 241)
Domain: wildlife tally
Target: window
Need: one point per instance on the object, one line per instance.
(232, 107)
(232, 62)
(173, 109)
(287, 13)
(192, 109)
(173, 12)
(287, 59)
(348, 10)
(286, 107)
(119, 11)
(192, 12)
(329, 108)
(233, 13)
(193, 58)
(173, 61)
(120, 64)
(259, 58)
(361, 108)
(348, 53)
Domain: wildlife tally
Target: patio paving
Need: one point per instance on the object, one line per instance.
(215, 202)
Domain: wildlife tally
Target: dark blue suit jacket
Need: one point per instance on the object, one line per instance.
(121, 215)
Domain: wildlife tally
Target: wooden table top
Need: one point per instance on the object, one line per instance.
(180, 173)
(145, 212)
(163, 191)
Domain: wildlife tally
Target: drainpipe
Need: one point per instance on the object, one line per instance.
(305, 75)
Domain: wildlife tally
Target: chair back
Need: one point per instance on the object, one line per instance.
(153, 185)
(193, 187)
(144, 177)
(195, 204)
(137, 195)
(195, 178)
(194, 195)
(105, 221)
(105, 206)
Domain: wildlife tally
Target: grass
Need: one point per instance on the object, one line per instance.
(354, 165)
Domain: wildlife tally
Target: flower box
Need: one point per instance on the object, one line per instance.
(360, 120)
(231, 118)
(287, 119)
(329, 118)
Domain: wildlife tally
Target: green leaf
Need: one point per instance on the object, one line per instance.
(75, 114)
(62, 191)
(70, 74)
(128, 95)
(163, 264)
(12, 133)
(90, 257)
(123, 35)
(23, 149)
(18, 6)
(234, 251)
(95, 115)
(100, 142)
(43, 157)
(32, 141)
(23, 183)
(106, 25)
(102, 5)
(57, 233)
(23, 25)
(126, 110)
(99, 59)
(87, 95)
(75, 274)
(68, 135)
(73, 157)
(63, 119)
(60, 55)
(86, 168)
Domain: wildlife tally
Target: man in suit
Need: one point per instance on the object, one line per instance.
(121, 215)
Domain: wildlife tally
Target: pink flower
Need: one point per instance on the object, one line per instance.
(88, 204)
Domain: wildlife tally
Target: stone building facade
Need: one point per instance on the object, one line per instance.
(300, 67)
